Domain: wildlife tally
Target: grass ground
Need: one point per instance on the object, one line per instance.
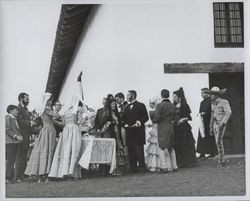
(203, 180)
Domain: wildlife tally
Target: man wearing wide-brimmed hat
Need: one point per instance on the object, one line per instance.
(221, 112)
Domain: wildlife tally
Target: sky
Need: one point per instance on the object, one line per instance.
(27, 39)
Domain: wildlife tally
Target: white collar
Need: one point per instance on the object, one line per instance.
(132, 101)
(11, 116)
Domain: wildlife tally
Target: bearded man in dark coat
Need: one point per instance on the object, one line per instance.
(134, 117)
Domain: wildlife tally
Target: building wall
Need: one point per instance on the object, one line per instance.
(126, 46)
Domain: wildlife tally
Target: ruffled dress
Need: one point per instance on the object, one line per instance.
(152, 160)
(68, 150)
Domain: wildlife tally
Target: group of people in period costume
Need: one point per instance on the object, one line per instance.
(176, 144)
(47, 145)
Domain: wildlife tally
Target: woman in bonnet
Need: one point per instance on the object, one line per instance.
(42, 153)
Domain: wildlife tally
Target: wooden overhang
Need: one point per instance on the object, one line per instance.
(203, 67)
(69, 29)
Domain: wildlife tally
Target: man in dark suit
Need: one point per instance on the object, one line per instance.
(134, 118)
(99, 115)
(12, 141)
(25, 123)
(98, 124)
(121, 105)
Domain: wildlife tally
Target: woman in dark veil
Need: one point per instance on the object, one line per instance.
(184, 140)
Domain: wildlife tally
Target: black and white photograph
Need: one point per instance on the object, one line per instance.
(124, 99)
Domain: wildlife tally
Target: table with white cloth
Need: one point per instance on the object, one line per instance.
(98, 151)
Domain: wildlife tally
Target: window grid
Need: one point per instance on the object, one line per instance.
(228, 24)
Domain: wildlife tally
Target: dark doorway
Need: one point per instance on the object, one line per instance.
(234, 139)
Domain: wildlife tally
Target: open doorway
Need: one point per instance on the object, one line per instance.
(223, 75)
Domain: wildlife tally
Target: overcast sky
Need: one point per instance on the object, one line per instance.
(27, 39)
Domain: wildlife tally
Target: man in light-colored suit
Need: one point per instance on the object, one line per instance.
(12, 141)
(221, 112)
(164, 115)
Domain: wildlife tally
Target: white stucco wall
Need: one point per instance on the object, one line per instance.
(126, 46)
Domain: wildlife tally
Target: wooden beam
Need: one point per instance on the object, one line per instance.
(203, 67)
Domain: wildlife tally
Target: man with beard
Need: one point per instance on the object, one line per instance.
(135, 116)
(24, 122)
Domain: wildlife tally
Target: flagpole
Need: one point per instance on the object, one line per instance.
(79, 80)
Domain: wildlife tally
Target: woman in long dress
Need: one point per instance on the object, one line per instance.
(40, 160)
(153, 160)
(115, 129)
(67, 154)
(184, 140)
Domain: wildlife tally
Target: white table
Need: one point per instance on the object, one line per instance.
(98, 151)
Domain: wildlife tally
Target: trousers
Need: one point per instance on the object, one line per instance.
(219, 132)
(136, 154)
(11, 155)
(21, 161)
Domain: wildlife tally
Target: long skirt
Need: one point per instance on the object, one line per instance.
(185, 148)
(67, 154)
(206, 145)
(153, 160)
(42, 153)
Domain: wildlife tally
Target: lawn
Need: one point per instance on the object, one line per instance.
(203, 180)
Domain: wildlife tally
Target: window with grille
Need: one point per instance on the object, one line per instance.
(228, 24)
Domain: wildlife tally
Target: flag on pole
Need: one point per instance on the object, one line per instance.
(79, 80)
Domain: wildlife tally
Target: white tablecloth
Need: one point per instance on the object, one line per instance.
(98, 151)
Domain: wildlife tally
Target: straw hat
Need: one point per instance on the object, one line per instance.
(217, 90)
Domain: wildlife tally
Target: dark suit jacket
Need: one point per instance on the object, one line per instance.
(135, 136)
(163, 116)
(99, 119)
(122, 109)
(11, 129)
(205, 106)
(24, 126)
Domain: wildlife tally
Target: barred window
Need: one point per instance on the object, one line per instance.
(228, 24)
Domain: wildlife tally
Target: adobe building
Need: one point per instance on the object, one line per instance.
(148, 47)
